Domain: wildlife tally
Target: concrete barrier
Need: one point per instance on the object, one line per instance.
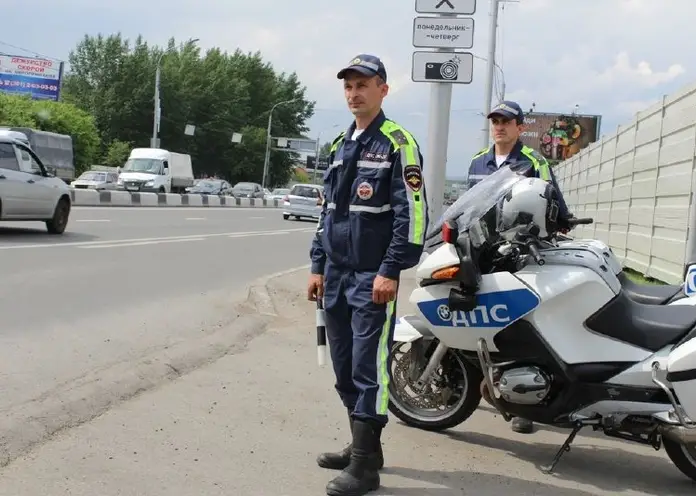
(87, 197)
(93, 198)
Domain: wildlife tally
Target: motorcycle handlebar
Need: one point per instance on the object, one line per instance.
(579, 221)
(534, 252)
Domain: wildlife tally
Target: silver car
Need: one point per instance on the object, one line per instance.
(304, 200)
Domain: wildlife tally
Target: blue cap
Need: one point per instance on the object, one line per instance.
(366, 64)
(508, 109)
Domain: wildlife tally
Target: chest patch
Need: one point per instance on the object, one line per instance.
(365, 191)
(374, 156)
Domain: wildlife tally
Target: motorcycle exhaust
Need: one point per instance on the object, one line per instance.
(678, 433)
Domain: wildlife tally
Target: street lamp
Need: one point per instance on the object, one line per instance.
(158, 110)
(268, 140)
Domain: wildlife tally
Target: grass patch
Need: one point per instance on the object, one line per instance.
(639, 278)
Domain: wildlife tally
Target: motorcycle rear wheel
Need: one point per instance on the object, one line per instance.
(456, 378)
(683, 457)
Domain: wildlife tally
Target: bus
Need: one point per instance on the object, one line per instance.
(54, 150)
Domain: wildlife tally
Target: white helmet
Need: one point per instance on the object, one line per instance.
(531, 200)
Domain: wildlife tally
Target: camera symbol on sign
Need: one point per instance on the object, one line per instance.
(444, 71)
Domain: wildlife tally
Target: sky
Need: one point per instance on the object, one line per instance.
(609, 57)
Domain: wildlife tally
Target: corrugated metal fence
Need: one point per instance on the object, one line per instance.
(637, 184)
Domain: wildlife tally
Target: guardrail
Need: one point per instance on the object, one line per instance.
(637, 184)
(93, 198)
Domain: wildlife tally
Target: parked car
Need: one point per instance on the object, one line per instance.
(28, 192)
(247, 190)
(303, 200)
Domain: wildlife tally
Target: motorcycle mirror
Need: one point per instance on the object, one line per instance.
(449, 233)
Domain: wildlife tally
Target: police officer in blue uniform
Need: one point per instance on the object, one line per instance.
(507, 124)
(372, 227)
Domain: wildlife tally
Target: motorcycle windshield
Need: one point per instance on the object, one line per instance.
(479, 199)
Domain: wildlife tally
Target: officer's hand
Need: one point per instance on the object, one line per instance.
(315, 288)
(383, 290)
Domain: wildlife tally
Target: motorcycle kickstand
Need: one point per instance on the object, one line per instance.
(548, 469)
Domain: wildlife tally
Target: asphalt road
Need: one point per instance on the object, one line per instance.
(123, 281)
(252, 423)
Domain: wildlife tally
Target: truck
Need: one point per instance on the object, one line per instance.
(156, 170)
(55, 150)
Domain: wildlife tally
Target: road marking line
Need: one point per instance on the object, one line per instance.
(262, 234)
(137, 240)
(195, 218)
(141, 243)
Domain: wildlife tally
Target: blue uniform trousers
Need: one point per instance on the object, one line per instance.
(360, 334)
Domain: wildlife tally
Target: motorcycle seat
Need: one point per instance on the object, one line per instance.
(648, 294)
(651, 327)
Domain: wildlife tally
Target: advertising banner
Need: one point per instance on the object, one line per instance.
(39, 78)
(560, 136)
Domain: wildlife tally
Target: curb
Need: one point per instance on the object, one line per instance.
(258, 296)
(94, 198)
(27, 425)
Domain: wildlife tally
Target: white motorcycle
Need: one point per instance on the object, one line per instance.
(541, 330)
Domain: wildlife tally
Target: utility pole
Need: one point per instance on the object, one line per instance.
(490, 72)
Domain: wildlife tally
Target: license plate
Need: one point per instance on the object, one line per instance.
(132, 188)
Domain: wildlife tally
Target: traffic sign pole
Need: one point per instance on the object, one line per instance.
(438, 136)
(441, 68)
(488, 91)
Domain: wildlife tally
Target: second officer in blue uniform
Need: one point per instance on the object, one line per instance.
(372, 227)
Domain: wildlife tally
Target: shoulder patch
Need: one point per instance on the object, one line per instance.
(413, 177)
(399, 137)
(338, 138)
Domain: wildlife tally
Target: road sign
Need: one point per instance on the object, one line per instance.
(459, 7)
(296, 145)
(443, 32)
(442, 67)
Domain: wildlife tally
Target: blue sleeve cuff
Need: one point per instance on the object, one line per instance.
(389, 272)
(318, 268)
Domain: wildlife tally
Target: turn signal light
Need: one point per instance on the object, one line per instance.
(446, 273)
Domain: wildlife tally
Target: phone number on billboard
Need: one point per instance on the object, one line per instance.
(31, 86)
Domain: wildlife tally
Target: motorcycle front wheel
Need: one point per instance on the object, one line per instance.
(451, 396)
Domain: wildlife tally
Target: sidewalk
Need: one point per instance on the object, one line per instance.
(252, 423)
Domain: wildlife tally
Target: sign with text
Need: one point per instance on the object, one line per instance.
(296, 145)
(559, 136)
(442, 67)
(443, 32)
(39, 78)
(458, 7)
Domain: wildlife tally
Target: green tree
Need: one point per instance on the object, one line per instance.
(56, 117)
(117, 153)
(218, 92)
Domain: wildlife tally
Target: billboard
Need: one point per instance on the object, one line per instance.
(39, 78)
(559, 136)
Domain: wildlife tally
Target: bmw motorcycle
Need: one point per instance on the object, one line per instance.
(542, 330)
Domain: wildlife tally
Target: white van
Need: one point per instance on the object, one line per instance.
(156, 170)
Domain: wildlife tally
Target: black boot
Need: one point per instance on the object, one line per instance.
(358, 478)
(340, 460)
